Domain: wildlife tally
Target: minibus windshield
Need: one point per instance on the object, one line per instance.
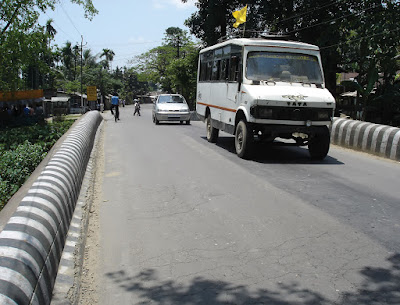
(283, 67)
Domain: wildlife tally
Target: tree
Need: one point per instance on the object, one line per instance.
(132, 85)
(21, 42)
(23, 14)
(50, 30)
(88, 59)
(67, 58)
(176, 38)
(371, 48)
(108, 55)
(172, 65)
(210, 22)
(183, 74)
(153, 64)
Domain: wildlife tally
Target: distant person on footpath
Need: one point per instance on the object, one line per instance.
(137, 108)
(115, 105)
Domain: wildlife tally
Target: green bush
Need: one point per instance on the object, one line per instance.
(5, 192)
(47, 133)
(21, 151)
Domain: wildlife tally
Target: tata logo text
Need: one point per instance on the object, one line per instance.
(297, 104)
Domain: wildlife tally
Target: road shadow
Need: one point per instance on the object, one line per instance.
(380, 286)
(276, 152)
(172, 123)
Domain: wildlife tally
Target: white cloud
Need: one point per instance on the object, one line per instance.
(164, 4)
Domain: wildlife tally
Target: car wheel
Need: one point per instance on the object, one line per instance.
(243, 140)
(318, 145)
(181, 122)
(156, 121)
(212, 133)
(188, 122)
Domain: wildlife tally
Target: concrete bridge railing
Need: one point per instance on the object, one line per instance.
(33, 239)
(380, 140)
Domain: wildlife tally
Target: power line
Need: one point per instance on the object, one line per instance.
(358, 39)
(310, 11)
(130, 43)
(62, 7)
(60, 28)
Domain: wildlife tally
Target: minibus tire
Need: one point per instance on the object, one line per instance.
(318, 146)
(212, 132)
(243, 140)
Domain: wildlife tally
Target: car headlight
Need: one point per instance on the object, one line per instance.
(184, 110)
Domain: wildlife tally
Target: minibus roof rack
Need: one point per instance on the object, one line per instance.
(260, 35)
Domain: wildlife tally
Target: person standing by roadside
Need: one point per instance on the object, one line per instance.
(115, 105)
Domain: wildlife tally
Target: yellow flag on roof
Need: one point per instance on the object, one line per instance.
(240, 16)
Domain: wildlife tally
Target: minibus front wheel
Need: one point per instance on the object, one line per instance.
(212, 132)
(243, 140)
(318, 145)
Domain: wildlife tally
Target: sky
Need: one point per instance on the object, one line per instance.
(128, 27)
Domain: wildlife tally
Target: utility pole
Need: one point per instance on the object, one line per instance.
(178, 41)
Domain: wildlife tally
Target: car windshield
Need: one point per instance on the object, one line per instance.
(170, 99)
(283, 67)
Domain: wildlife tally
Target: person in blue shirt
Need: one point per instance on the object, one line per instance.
(115, 105)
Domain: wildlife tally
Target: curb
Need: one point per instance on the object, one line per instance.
(380, 140)
(32, 241)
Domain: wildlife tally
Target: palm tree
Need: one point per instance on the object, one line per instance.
(109, 56)
(67, 57)
(50, 30)
(76, 55)
(88, 59)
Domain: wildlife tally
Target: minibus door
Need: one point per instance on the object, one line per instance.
(234, 80)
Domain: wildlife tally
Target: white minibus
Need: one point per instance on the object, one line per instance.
(261, 89)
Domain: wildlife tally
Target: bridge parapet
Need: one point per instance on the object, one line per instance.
(380, 140)
(32, 241)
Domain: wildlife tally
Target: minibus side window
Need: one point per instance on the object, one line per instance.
(203, 71)
(224, 69)
(209, 70)
(234, 69)
(216, 70)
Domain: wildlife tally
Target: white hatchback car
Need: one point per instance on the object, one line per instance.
(170, 107)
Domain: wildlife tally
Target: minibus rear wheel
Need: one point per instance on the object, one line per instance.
(243, 140)
(212, 132)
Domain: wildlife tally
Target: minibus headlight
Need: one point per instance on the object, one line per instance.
(324, 115)
(265, 113)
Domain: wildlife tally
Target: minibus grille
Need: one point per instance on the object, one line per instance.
(291, 113)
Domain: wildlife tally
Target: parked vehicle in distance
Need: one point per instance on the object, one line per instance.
(262, 89)
(170, 107)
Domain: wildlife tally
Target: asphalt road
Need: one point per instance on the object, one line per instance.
(184, 221)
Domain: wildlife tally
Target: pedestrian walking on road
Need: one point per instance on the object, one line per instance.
(137, 108)
(115, 105)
